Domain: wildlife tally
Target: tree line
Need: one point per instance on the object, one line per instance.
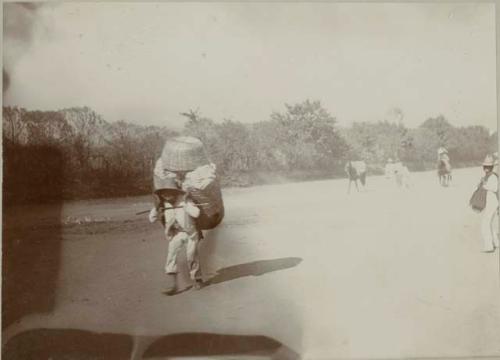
(74, 153)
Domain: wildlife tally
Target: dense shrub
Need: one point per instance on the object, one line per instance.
(74, 153)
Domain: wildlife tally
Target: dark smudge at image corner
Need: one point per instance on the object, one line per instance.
(80, 344)
(31, 249)
(5, 81)
(19, 20)
(18, 25)
(31, 229)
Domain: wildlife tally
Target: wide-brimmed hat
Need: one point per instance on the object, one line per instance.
(488, 161)
(168, 184)
(183, 153)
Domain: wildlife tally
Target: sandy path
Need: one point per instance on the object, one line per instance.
(379, 274)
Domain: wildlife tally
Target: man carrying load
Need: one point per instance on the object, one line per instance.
(184, 169)
(178, 213)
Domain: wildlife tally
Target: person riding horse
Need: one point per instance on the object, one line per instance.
(444, 167)
(356, 170)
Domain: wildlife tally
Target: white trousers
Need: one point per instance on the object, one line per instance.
(489, 224)
(174, 246)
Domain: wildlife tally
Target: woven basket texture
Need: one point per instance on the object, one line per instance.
(183, 153)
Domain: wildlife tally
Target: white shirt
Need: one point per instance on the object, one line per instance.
(491, 187)
(389, 169)
(491, 184)
(184, 213)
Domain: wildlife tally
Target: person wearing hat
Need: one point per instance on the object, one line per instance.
(389, 169)
(177, 213)
(490, 184)
(403, 177)
(443, 155)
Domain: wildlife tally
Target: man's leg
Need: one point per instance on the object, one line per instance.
(171, 264)
(486, 228)
(494, 229)
(174, 246)
(192, 256)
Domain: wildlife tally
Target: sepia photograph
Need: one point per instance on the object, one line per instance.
(250, 180)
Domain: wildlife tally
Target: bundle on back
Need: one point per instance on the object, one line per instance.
(185, 159)
(204, 188)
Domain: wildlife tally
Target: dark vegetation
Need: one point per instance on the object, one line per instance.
(95, 158)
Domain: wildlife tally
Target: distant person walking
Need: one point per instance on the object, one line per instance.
(402, 175)
(389, 169)
(489, 182)
(398, 173)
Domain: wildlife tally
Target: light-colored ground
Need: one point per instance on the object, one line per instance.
(383, 273)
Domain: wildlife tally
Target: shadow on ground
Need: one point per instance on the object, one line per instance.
(66, 344)
(255, 268)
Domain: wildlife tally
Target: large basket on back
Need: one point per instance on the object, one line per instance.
(183, 153)
(185, 159)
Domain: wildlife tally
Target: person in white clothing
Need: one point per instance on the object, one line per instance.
(443, 154)
(178, 213)
(490, 184)
(389, 169)
(405, 177)
(398, 173)
(444, 167)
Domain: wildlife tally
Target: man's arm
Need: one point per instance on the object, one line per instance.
(191, 208)
(492, 183)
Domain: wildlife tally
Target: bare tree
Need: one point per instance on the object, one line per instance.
(14, 125)
(87, 132)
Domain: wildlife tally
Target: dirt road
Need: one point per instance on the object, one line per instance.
(301, 269)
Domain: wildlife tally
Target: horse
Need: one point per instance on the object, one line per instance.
(444, 172)
(356, 170)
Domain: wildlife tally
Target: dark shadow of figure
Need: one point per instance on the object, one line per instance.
(66, 344)
(31, 244)
(209, 344)
(255, 268)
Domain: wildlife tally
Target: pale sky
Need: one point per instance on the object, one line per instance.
(147, 62)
